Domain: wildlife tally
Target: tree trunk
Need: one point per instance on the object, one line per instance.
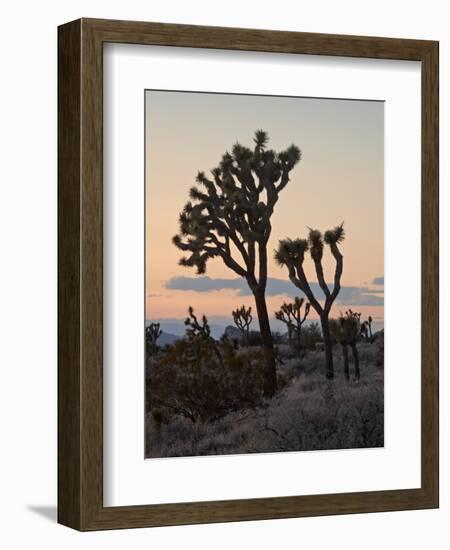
(299, 340)
(270, 383)
(345, 358)
(218, 354)
(243, 340)
(329, 369)
(356, 360)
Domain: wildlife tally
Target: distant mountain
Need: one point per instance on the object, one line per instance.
(232, 333)
(177, 328)
(167, 338)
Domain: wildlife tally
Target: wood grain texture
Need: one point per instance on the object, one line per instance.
(69, 247)
(80, 398)
(430, 272)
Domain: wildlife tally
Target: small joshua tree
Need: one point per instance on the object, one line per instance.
(291, 316)
(366, 330)
(195, 329)
(242, 319)
(152, 333)
(291, 253)
(228, 217)
(346, 330)
(352, 325)
(369, 328)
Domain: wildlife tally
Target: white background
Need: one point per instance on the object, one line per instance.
(28, 275)
(128, 479)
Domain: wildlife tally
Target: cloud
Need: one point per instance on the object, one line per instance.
(358, 296)
(378, 281)
(350, 295)
(206, 284)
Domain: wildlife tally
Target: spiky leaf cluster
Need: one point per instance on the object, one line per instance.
(232, 208)
(347, 328)
(315, 243)
(335, 235)
(291, 253)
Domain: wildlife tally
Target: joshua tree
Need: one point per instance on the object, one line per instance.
(203, 331)
(152, 333)
(337, 331)
(352, 328)
(228, 217)
(242, 319)
(346, 331)
(291, 253)
(366, 330)
(369, 328)
(194, 328)
(291, 316)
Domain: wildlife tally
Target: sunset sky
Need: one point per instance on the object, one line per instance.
(340, 178)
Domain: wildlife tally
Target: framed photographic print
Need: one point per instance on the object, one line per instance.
(248, 274)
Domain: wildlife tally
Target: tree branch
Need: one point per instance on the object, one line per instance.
(302, 283)
(320, 277)
(338, 272)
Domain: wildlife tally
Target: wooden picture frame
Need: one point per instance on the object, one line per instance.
(80, 271)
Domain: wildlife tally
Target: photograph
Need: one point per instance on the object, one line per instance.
(264, 274)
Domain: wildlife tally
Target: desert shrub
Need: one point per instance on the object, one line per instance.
(310, 414)
(367, 352)
(254, 338)
(287, 352)
(191, 379)
(277, 338)
(311, 334)
(235, 342)
(379, 346)
(307, 413)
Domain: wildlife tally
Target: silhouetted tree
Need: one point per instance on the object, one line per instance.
(242, 319)
(346, 330)
(353, 321)
(369, 328)
(152, 333)
(228, 217)
(364, 331)
(291, 315)
(291, 253)
(195, 329)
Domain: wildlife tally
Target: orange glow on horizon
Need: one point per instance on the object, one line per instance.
(340, 177)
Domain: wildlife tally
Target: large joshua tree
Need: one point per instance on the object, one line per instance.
(228, 217)
(291, 253)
